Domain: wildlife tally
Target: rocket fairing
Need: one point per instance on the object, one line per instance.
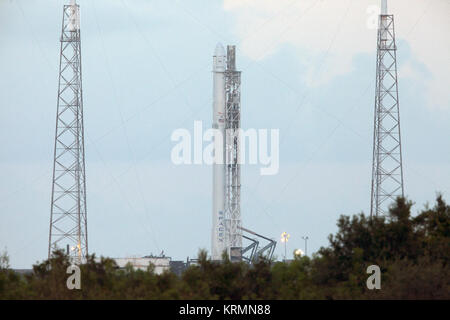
(219, 100)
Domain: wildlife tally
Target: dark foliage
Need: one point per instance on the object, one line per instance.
(412, 252)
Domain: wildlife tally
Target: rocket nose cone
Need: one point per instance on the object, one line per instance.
(220, 51)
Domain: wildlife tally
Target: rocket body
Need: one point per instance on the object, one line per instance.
(218, 228)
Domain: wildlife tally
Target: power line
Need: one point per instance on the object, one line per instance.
(139, 183)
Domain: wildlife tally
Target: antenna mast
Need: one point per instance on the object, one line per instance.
(68, 217)
(387, 168)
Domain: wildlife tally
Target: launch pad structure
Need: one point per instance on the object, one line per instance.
(68, 218)
(257, 253)
(233, 232)
(68, 214)
(227, 232)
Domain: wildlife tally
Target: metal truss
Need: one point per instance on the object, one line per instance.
(233, 233)
(387, 170)
(256, 253)
(68, 219)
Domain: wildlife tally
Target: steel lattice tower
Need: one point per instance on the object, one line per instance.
(387, 170)
(233, 232)
(68, 219)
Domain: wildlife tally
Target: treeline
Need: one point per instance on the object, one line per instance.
(412, 252)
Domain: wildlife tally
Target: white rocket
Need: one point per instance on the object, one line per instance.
(218, 229)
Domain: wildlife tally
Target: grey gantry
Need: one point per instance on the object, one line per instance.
(233, 232)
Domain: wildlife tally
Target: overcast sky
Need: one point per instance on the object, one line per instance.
(308, 69)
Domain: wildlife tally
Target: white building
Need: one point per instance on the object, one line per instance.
(160, 263)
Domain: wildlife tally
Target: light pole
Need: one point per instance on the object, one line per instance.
(306, 244)
(284, 238)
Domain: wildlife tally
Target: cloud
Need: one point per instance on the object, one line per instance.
(328, 34)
